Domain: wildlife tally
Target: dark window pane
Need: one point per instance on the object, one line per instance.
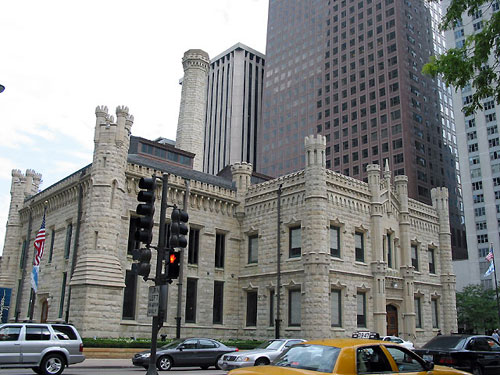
(191, 292)
(251, 309)
(218, 302)
(129, 296)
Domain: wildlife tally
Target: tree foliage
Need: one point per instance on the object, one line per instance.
(468, 65)
(477, 309)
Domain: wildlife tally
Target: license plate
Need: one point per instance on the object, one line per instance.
(428, 357)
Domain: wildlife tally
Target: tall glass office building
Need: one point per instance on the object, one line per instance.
(351, 71)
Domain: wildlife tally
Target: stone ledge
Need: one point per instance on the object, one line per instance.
(118, 353)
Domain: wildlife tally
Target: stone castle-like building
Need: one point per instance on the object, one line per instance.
(343, 245)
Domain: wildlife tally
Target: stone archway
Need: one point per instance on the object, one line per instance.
(392, 320)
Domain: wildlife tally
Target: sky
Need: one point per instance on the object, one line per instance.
(59, 59)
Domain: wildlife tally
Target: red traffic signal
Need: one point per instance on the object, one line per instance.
(173, 264)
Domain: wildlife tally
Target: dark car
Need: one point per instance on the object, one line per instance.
(474, 353)
(188, 352)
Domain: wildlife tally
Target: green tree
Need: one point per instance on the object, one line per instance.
(477, 308)
(468, 65)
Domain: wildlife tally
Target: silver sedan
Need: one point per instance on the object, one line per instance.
(262, 355)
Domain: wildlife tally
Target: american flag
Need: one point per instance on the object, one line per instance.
(490, 255)
(39, 247)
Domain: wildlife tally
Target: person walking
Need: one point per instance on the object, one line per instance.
(495, 335)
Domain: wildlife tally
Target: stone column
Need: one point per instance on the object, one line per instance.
(315, 302)
(98, 278)
(378, 266)
(191, 124)
(406, 269)
(448, 279)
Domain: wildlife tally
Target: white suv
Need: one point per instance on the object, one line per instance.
(45, 348)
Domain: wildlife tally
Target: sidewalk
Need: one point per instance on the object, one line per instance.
(104, 363)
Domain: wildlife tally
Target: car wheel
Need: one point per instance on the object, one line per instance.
(37, 370)
(261, 362)
(477, 370)
(52, 364)
(164, 363)
(217, 363)
(204, 367)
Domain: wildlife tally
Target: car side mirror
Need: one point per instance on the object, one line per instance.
(181, 347)
(428, 365)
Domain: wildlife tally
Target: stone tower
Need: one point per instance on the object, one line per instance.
(242, 173)
(448, 279)
(22, 186)
(378, 266)
(98, 274)
(315, 304)
(191, 124)
(406, 269)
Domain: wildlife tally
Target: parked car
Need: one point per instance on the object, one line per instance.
(347, 356)
(398, 340)
(365, 335)
(262, 355)
(45, 348)
(478, 354)
(187, 352)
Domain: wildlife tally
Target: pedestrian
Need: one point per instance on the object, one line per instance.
(495, 335)
(439, 333)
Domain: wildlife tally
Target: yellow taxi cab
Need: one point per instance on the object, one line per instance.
(348, 357)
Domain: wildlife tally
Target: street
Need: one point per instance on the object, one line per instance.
(115, 367)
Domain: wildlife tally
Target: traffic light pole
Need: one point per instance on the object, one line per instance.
(158, 320)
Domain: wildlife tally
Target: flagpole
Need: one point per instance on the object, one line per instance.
(496, 286)
(33, 291)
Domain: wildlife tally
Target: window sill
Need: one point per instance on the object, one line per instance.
(294, 259)
(251, 265)
(294, 328)
(338, 329)
(250, 328)
(358, 263)
(336, 259)
(128, 322)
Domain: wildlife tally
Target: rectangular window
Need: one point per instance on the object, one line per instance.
(418, 313)
(220, 243)
(432, 265)
(359, 246)
(191, 297)
(294, 308)
(295, 246)
(361, 309)
(435, 316)
(218, 307)
(132, 243)
(271, 308)
(336, 308)
(253, 249)
(52, 239)
(414, 257)
(390, 255)
(335, 241)
(129, 296)
(251, 308)
(67, 246)
(194, 245)
(63, 292)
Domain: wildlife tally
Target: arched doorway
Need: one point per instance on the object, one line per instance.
(45, 312)
(392, 320)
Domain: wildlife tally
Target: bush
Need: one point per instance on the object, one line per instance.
(146, 343)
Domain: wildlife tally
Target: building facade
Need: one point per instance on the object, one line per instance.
(351, 71)
(233, 114)
(303, 251)
(479, 143)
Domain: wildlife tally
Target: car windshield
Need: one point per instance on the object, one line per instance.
(271, 344)
(309, 357)
(173, 344)
(445, 342)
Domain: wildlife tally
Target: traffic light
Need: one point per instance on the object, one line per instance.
(178, 228)
(143, 267)
(173, 264)
(146, 210)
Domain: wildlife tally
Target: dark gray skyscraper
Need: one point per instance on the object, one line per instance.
(351, 70)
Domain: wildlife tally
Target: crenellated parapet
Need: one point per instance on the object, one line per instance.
(196, 59)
